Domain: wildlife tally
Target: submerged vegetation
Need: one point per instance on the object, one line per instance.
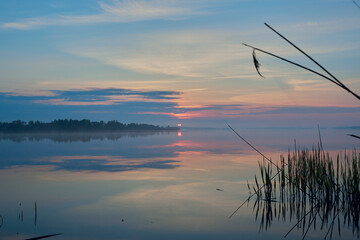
(317, 190)
(70, 125)
(21, 219)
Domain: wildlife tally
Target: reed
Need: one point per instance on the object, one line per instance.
(356, 3)
(327, 75)
(310, 184)
(44, 236)
(35, 213)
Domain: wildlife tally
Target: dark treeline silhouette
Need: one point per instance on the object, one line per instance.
(69, 125)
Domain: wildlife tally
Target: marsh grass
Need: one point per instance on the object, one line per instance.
(308, 184)
(35, 213)
(315, 189)
(356, 3)
(21, 218)
(44, 236)
(329, 76)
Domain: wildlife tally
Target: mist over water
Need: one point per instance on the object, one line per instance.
(162, 185)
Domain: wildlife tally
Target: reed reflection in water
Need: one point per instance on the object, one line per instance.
(312, 189)
(162, 185)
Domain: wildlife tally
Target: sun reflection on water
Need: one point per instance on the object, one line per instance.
(159, 184)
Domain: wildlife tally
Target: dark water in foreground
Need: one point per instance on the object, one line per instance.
(146, 186)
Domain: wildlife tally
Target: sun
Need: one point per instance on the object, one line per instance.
(179, 124)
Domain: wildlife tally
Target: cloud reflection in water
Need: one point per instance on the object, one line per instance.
(106, 165)
(104, 152)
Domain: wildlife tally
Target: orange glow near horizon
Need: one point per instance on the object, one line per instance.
(179, 134)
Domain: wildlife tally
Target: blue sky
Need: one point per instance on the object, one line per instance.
(165, 62)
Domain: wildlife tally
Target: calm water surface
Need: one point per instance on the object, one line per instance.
(144, 186)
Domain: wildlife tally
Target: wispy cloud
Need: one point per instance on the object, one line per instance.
(187, 53)
(321, 27)
(204, 53)
(237, 111)
(114, 12)
(94, 163)
(109, 96)
(159, 107)
(102, 104)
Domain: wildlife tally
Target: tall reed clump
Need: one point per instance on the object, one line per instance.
(313, 175)
(310, 184)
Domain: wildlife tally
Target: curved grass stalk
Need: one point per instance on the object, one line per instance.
(332, 78)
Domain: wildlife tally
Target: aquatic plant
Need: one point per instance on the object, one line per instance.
(21, 218)
(35, 213)
(356, 4)
(310, 184)
(330, 76)
(44, 236)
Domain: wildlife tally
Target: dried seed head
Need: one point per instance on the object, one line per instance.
(256, 63)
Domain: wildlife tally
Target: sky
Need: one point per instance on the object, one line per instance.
(179, 61)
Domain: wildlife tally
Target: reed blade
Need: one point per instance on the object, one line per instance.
(353, 135)
(45, 236)
(338, 82)
(293, 63)
(356, 3)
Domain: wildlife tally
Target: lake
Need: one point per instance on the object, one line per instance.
(165, 185)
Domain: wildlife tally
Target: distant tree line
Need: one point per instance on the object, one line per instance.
(70, 125)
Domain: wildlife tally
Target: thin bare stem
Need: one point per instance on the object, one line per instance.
(314, 61)
(353, 135)
(45, 236)
(278, 171)
(233, 213)
(356, 3)
(252, 146)
(293, 63)
(320, 140)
